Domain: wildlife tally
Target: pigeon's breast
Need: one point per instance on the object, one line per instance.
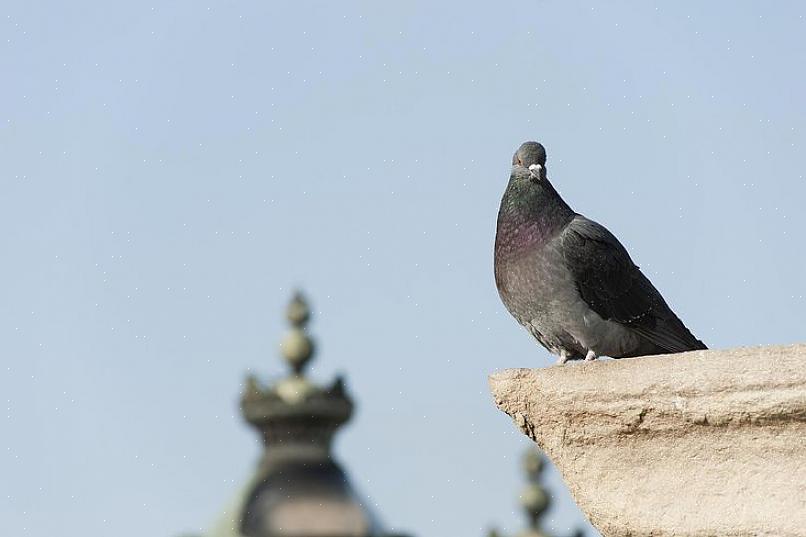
(533, 282)
(540, 291)
(516, 239)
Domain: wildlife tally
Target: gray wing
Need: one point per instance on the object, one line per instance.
(616, 289)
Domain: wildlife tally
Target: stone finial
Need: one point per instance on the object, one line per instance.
(297, 347)
(294, 410)
(534, 499)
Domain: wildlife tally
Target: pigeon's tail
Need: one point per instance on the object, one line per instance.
(670, 335)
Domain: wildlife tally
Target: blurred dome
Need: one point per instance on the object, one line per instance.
(307, 499)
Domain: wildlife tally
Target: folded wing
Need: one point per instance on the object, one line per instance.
(616, 289)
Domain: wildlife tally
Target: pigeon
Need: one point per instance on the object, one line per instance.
(569, 281)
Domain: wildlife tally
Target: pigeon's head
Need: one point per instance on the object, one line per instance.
(528, 154)
(529, 192)
(532, 156)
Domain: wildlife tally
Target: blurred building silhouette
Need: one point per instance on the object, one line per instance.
(298, 489)
(534, 499)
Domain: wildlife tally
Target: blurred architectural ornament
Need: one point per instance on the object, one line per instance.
(534, 499)
(298, 488)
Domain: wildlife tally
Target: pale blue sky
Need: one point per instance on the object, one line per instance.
(169, 173)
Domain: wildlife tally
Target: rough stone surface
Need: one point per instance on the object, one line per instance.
(704, 443)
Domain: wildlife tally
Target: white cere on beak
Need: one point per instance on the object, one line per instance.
(534, 169)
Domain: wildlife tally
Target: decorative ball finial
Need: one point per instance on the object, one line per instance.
(535, 502)
(298, 311)
(534, 498)
(297, 347)
(532, 464)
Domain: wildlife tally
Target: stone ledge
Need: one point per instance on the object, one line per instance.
(704, 443)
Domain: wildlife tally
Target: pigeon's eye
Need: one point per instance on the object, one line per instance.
(519, 162)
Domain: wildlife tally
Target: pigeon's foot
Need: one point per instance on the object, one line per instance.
(591, 356)
(563, 358)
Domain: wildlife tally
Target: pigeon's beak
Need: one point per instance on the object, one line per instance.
(535, 170)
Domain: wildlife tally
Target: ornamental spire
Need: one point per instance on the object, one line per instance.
(297, 347)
